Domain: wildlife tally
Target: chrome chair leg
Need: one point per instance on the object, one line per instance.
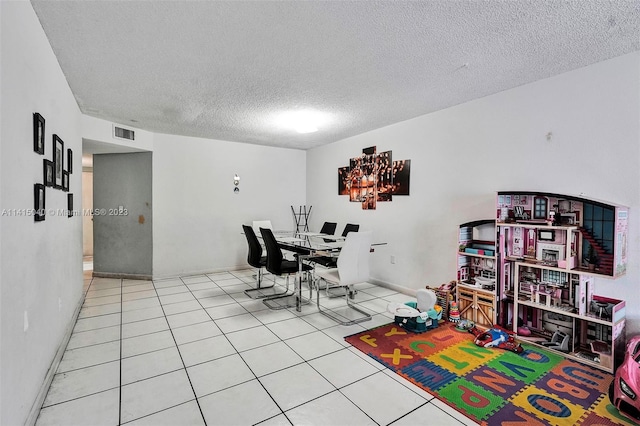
(273, 301)
(330, 313)
(257, 293)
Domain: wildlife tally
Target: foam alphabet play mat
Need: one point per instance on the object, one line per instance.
(494, 386)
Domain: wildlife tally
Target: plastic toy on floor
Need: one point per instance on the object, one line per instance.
(496, 337)
(454, 312)
(417, 316)
(465, 325)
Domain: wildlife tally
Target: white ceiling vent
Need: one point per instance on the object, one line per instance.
(122, 133)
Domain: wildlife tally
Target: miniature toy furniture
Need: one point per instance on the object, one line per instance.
(352, 268)
(279, 266)
(559, 341)
(602, 308)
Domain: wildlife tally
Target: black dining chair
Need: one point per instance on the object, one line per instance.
(257, 260)
(279, 266)
(350, 227)
(328, 228)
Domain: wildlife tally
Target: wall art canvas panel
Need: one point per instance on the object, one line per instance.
(355, 178)
(58, 160)
(384, 168)
(373, 178)
(369, 151)
(368, 182)
(401, 174)
(343, 180)
(38, 133)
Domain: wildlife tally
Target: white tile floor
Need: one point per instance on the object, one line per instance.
(196, 350)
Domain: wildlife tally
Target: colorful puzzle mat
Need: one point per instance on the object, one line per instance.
(494, 386)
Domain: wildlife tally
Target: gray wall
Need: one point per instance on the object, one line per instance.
(122, 232)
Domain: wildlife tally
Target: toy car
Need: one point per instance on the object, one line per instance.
(624, 391)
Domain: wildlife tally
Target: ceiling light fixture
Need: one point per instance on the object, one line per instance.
(303, 121)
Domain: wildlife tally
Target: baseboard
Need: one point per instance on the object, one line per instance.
(203, 272)
(44, 388)
(394, 287)
(122, 276)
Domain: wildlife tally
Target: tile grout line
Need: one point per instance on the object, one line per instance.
(236, 350)
(253, 372)
(120, 362)
(184, 366)
(299, 316)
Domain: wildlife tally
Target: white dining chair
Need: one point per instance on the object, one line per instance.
(353, 268)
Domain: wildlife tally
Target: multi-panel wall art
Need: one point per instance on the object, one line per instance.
(373, 178)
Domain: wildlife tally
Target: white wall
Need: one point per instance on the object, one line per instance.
(197, 217)
(41, 263)
(462, 155)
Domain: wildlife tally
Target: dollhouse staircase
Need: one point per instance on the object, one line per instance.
(605, 260)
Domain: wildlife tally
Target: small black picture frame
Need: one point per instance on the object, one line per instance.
(69, 205)
(38, 133)
(47, 171)
(65, 181)
(38, 202)
(70, 161)
(58, 161)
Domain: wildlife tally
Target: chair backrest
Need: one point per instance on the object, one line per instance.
(328, 228)
(274, 254)
(353, 260)
(350, 227)
(257, 224)
(255, 249)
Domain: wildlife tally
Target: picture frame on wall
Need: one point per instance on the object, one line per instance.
(58, 161)
(70, 161)
(47, 166)
(65, 181)
(38, 202)
(69, 205)
(38, 133)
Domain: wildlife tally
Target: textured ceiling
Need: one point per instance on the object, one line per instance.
(226, 69)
